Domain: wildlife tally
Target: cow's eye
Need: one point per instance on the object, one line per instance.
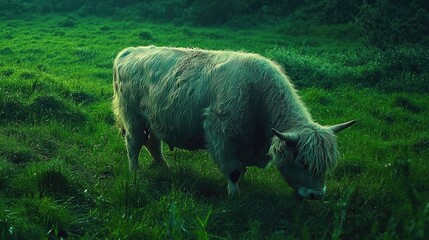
(305, 165)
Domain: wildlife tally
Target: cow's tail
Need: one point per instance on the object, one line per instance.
(117, 98)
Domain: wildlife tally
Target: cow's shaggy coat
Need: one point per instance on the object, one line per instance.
(225, 102)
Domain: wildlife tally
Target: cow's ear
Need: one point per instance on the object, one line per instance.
(287, 137)
(340, 127)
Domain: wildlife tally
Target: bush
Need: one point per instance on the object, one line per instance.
(407, 58)
(404, 68)
(162, 10)
(66, 6)
(232, 12)
(387, 23)
(10, 8)
(207, 12)
(330, 11)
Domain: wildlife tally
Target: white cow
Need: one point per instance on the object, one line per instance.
(241, 107)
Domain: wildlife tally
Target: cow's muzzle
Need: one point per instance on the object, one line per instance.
(311, 194)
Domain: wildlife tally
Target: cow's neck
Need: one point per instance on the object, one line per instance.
(285, 109)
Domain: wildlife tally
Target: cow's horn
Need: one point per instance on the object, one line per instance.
(288, 137)
(340, 127)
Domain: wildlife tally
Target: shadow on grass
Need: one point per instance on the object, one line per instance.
(260, 208)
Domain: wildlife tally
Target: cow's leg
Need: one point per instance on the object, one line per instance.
(153, 145)
(134, 140)
(233, 178)
(228, 164)
(224, 154)
(243, 171)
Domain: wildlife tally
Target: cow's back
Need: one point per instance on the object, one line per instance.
(176, 87)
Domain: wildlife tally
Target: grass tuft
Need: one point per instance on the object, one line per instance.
(82, 97)
(12, 110)
(68, 22)
(85, 54)
(105, 28)
(402, 101)
(54, 218)
(45, 107)
(175, 224)
(145, 35)
(43, 179)
(7, 72)
(47, 104)
(52, 181)
(27, 75)
(59, 33)
(6, 51)
(15, 152)
(19, 156)
(421, 145)
(126, 191)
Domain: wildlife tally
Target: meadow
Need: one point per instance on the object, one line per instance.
(63, 166)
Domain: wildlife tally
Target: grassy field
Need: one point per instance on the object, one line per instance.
(63, 166)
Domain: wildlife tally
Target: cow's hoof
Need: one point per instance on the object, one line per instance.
(298, 197)
(160, 164)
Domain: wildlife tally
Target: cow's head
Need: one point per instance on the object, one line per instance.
(304, 158)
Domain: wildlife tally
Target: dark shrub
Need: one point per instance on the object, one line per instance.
(404, 68)
(386, 23)
(163, 10)
(407, 58)
(10, 8)
(330, 11)
(66, 6)
(101, 8)
(207, 12)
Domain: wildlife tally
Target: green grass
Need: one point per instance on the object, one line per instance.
(63, 166)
